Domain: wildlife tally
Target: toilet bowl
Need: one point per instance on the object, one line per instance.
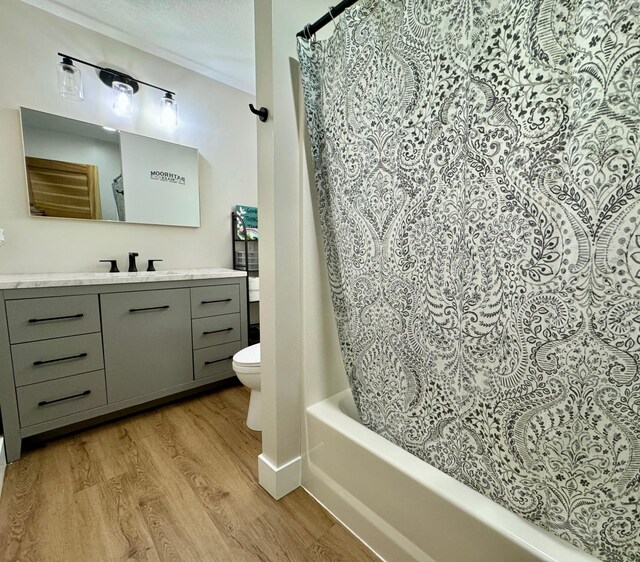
(246, 364)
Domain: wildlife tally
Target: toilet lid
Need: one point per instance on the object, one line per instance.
(249, 356)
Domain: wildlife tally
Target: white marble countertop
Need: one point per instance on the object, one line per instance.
(33, 280)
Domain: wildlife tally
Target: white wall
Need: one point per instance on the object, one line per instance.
(301, 362)
(213, 118)
(55, 145)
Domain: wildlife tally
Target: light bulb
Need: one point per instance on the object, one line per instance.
(69, 80)
(168, 111)
(122, 98)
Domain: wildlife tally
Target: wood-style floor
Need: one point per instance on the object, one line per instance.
(175, 483)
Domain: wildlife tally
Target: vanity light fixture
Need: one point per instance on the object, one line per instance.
(69, 80)
(122, 98)
(168, 111)
(123, 86)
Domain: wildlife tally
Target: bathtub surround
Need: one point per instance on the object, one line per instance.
(478, 188)
(428, 516)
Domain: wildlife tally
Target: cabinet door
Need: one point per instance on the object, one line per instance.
(147, 341)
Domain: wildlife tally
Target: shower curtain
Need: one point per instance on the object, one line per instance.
(478, 177)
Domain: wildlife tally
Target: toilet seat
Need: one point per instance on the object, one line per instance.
(248, 357)
(246, 370)
(247, 360)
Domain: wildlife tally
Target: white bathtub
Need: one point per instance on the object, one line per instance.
(404, 508)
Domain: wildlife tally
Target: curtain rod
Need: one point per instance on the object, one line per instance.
(310, 30)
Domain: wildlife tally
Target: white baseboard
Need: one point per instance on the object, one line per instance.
(279, 480)
(3, 463)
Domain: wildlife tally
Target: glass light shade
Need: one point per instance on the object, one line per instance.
(168, 111)
(122, 98)
(70, 81)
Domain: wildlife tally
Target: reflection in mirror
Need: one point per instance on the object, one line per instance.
(73, 168)
(85, 171)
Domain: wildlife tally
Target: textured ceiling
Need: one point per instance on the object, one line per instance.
(213, 37)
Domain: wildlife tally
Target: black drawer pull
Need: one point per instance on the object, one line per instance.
(47, 402)
(36, 363)
(218, 360)
(33, 320)
(216, 331)
(219, 300)
(149, 308)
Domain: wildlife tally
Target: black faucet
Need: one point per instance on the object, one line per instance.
(114, 265)
(150, 266)
(132, 261)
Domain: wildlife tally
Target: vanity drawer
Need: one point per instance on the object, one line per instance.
(215, 330)
(53, 359)
(45, 401)
(215, 300)
(52, 317)
(215, 360)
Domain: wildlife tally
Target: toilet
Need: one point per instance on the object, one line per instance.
(246, 364)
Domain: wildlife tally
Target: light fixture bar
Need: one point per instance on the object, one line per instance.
(115, 73)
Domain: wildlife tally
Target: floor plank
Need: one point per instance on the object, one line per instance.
(337, 544)
(175, 483)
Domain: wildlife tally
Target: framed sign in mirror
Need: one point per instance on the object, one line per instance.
(85, 171)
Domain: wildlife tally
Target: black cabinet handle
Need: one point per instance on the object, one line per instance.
(36, 363)
(220, 300)
(33, 320)
(46, 402)
(149, 308)
(218, 360)
(216, 331)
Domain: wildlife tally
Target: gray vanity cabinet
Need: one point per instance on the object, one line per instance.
(72, 354)
(147, 347)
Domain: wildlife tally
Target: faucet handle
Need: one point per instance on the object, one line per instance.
(114, 265)
(132, 262)
(150, 265)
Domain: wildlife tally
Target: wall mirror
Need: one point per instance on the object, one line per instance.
(84, 171)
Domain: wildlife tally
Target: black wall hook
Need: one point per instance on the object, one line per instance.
(262, 113)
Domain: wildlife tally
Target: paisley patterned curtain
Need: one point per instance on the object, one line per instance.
(478, 174)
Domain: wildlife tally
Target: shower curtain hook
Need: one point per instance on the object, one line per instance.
(307, 31)
(332, 19)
